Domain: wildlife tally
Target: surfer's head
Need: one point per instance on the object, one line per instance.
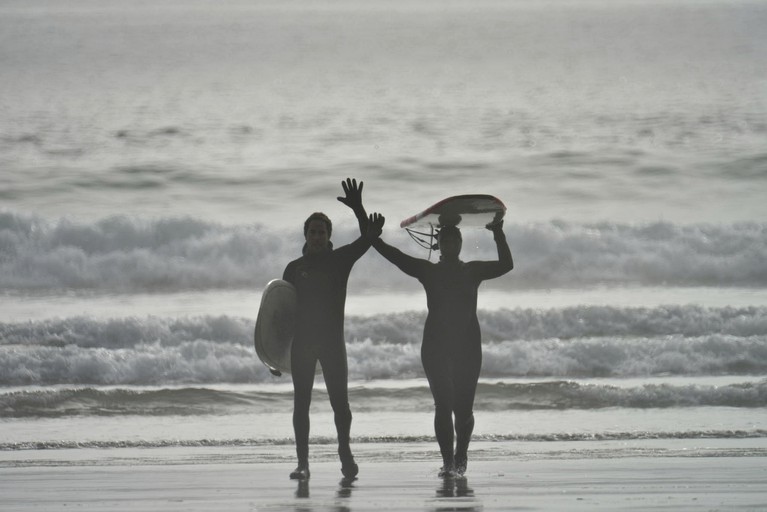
(450, 242)
(317, 231)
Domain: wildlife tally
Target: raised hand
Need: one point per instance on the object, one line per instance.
(353, 194)
(375, 226)
(495, 226)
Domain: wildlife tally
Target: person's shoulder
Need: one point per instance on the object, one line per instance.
(295, 263)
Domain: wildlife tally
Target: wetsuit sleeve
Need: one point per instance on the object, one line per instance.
(411, 266)
(354, 251)
(492, 269)
(362, 219)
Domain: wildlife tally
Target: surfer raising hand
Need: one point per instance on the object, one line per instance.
(353, 199)
(320, 277)
(451, 352)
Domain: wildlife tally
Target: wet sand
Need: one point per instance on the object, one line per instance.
(191, 479)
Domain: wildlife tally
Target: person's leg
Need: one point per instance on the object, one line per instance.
(438, 373)
(443, 429)
(466, 376)
(303, 365)
(336, 372)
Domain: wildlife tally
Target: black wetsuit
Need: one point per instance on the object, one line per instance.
(451, 352)
(320, 281)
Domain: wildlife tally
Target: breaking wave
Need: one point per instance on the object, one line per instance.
(500, 396)
(584, 341)
(129, 254)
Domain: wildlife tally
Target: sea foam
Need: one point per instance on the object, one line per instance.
(491, 397)
(594, 341)
(128, 254)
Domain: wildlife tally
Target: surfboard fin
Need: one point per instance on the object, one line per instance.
(274, 372)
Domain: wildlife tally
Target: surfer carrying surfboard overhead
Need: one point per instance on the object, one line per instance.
(451, 352)
(320, 277)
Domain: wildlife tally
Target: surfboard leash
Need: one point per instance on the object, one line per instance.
(432, 246)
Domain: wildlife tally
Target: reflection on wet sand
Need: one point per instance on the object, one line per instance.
(455, 494)
(343, 493)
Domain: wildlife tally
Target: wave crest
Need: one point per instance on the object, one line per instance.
(124, 253)
(493, 397)
(594, 341)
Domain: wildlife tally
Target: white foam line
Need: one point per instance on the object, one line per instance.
(244, 303)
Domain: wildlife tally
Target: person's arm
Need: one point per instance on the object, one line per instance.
(373, 228)
(504, 251)
(493, 269)
(353, 199)
(409, 265)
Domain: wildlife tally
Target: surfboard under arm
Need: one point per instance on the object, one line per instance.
(275, 326)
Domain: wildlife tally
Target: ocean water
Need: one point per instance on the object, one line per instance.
(158, 160)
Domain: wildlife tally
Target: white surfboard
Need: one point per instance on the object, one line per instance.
(275, 325)
(471, 210)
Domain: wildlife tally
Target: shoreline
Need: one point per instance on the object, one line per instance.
(256, 478)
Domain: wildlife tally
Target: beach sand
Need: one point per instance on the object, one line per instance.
(254, 479)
